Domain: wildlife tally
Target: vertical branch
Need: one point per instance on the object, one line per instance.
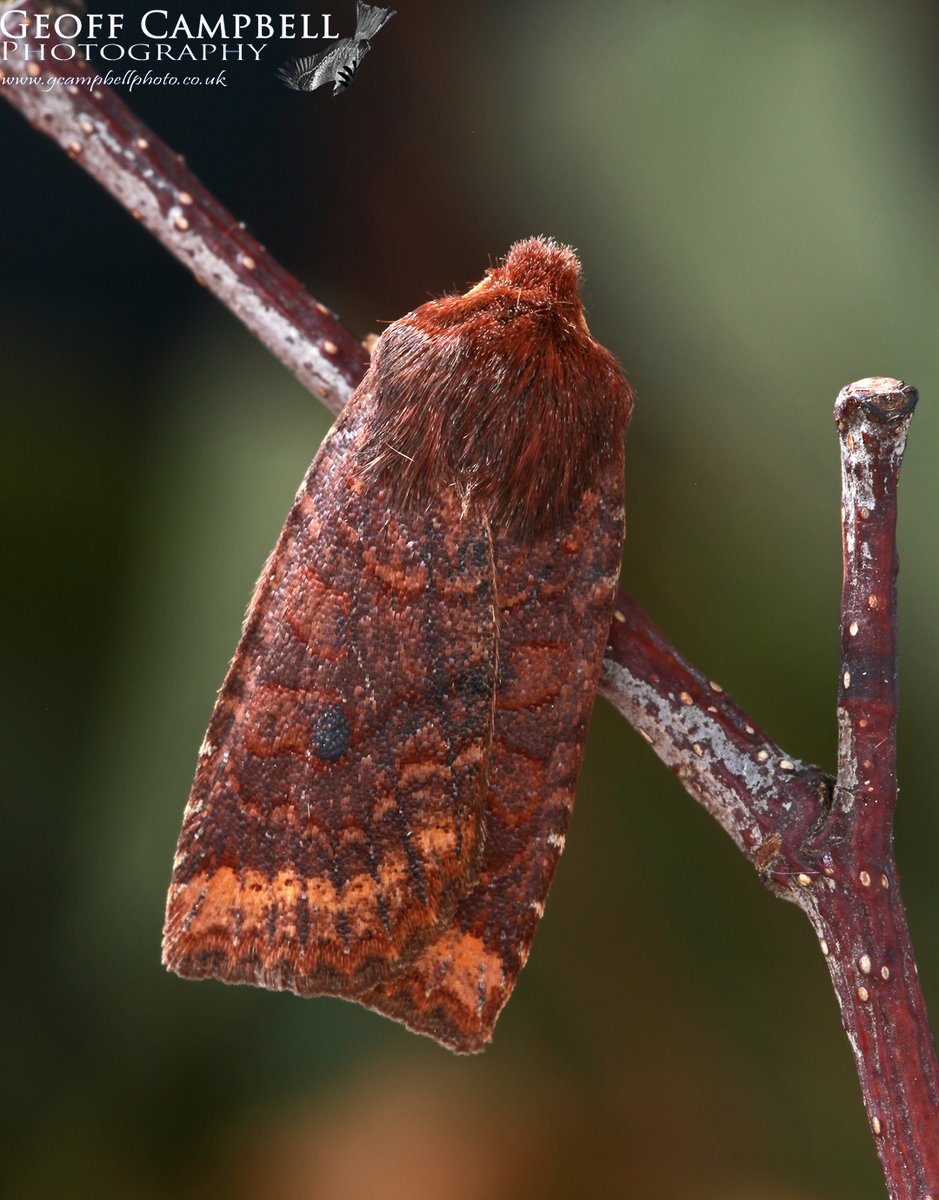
(858, 915)
(873, 418)
(854, 901)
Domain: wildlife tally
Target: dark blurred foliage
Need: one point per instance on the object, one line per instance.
(753, 190)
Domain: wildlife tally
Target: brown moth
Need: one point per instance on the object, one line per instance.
(386, 781)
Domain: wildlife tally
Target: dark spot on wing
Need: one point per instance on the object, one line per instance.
(331, 734)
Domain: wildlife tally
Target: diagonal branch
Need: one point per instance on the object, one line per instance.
(824, 844)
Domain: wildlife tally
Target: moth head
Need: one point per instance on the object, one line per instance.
(535, 265)
(501, 392)
(537, 275)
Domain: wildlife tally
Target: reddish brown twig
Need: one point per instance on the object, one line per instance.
(826, 846)
(768, 802)
(854, 898)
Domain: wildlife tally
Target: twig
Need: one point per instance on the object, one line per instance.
(768, 802)
(855, 904)
(824, 845)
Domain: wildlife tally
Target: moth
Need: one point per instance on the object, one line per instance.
(386, 782)
(338, 65)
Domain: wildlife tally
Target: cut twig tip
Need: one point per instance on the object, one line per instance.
(878, 398)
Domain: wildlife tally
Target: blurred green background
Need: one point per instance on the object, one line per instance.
(753, 190)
